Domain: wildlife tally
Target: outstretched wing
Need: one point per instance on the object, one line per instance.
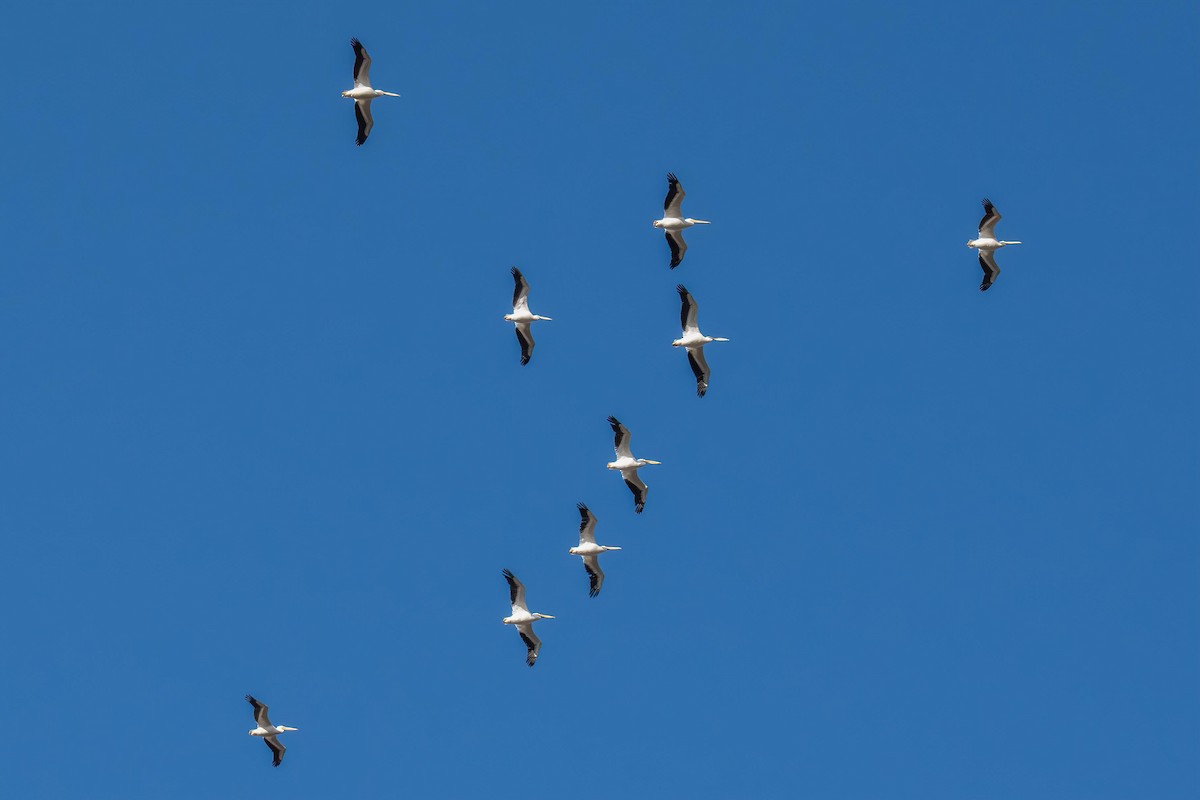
(362, 113)
(699, 369)
(277, 749)
(587, 525)
(987, 260)
(516, 592)
(637, 486)
(260, 713)
(362, 64)
(621, 440)
(987, 225)
(591, 565)
(678, 247)
(532, 643)
(525, 337)
(520, 292)
(675, 193)
(688, 311)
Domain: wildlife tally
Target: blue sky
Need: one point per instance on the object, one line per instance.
(265, 431)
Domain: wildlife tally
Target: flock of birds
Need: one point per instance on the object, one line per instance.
(673, 223)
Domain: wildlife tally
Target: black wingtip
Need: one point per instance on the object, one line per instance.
(507, 574)
(524, 360)
(675, 264)
(355, 42)
(638, 508)
(594, 593)
(679, 287)
(671, 177)
(583, 509)
(516, 273)
(613, 421)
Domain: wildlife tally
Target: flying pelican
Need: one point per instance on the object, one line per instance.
(268, 731)
(522, 618)
(362, 93)
(693, 339)
(987, 244)
(589, 549)
(673, 221)
(521, 317)
(629, 465)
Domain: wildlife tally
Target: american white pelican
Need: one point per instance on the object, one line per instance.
(362, 93)
(987, 244)
(522, 618)
(693, 339)
(268, 731)
(520, 316)
(589, 549)
(673, 221)
(629, 465)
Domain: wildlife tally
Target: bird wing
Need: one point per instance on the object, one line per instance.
(675, 193)
(699, 368)
(362, 64)
(987, 260)
(520, 292)
(362, 112)
(516, 592)
(637, 486)
(277, 749)
(987, 225)
(688, 311)
(260, 713)
(525, 337)
(532, 643)
(595, 575)
(678, 247)
(587, 525)
(621, 440)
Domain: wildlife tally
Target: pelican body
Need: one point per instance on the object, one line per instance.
(673, 221)
(522, 619)
(521, 317)
(267, 731)
(987, 244)
(693, 339)
(362, 94)
(628, 465)
(589, 550)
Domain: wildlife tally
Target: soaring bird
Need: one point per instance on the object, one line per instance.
(673, 221)
(590, 550)
(987, 244)
(268, 731)
(362, 93)
(693, 339)
(520, 316)
(628, 465)
(522, 618)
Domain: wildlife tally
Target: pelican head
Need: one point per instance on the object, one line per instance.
(658, 223)
(345, 94)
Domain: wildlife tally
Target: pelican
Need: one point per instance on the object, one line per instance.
(589, 549)
(521, 317)
(268, 731)
(693, 339)
(522, 618)
(362, 93)
(987, 244)
(673, 221)
(629, 465)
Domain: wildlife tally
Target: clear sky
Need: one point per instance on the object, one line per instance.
(263, 429)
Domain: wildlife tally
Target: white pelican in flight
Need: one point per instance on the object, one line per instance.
(521, 317)
(522, 618)
(589, 549)
(268, 731)
(987, 244)
(673, 221)
(629, 465)
(693, 339)
(362, 93)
